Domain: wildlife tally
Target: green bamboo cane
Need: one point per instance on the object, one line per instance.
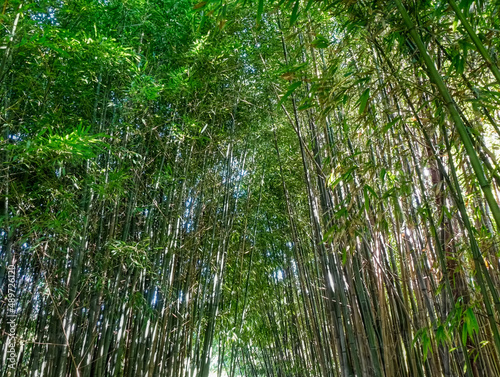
(477, 42)
(449, 103)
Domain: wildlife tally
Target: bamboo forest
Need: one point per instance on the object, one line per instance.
(250, 188)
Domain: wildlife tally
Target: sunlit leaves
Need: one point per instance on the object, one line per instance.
(49, 147)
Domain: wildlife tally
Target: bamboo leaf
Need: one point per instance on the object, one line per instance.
(465, 332)
(260, 9)
(471, 323)
(200, 5)
(389, 125)
(320, 42)
(295, 12)
(363, 100)
(309, 5)
(426, 343)
(328, 235)
(290, 90)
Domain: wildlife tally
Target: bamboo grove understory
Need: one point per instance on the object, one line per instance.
(250, 188)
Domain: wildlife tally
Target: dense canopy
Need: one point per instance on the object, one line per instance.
(250, 188)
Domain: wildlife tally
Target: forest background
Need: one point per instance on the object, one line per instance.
(249, 188)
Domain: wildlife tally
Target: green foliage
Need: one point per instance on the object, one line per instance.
(265, 188)
(52, 149)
